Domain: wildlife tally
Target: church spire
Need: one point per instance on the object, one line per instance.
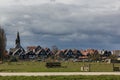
(17, 42)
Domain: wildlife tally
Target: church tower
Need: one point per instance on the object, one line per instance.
(18, 50)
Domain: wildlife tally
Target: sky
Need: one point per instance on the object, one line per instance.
(71, 24)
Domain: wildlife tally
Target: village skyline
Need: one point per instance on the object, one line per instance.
(38, 52)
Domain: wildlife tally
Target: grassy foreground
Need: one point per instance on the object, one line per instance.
(66, 67)
(61, 78)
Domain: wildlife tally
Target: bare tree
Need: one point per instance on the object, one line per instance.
(95, 56)
(2, 43)
(54, 49)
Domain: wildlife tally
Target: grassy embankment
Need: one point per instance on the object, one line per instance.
(61, 78)
(66, 67)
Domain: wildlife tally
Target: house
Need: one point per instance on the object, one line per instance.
(88, 52)
(106, 53)
(76, 53)
(65, 50)
(12, 50)
(30, 55)
(84, 56)
(116, 52)
(31, 48)
(48, 51)
(41, 53)
(19, 53)
(60, 54)
(84, 52)
(32, 52)
(38, 48)
(69, 54)
(38, 52)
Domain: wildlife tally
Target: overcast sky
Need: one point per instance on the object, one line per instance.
(72, 24)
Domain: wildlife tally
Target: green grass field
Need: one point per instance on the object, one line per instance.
(66, 67)
(62, 78)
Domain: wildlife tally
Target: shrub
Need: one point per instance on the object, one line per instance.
(13, 59)
(53, 64)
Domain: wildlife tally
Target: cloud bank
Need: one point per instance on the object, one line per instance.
(65, 23)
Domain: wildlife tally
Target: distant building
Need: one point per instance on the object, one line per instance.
(69, 54)
(31, 48)
(116, 52)
(18, 51)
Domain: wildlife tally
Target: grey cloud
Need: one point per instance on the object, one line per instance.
(63, 25)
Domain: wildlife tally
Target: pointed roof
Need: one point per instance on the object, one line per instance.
(18, 38)
(17, 42)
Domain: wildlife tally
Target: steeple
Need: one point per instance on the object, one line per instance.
(17, 41)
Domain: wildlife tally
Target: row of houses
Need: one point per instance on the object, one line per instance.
(38, 52)
(31, 53)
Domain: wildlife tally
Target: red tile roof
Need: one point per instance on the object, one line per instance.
(31, 48)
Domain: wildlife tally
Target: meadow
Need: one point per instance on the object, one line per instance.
(31, 66)
(61, 78)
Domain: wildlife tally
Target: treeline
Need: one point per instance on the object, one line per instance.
(2, 43)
